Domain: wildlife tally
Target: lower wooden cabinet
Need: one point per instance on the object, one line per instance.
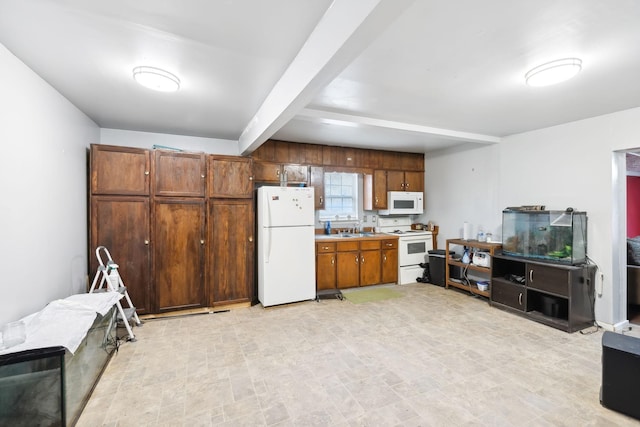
(121, 224)
(356, 262)
(326, 266)
(390, 261)
(230, 272)
(178, 258)
(370, 259)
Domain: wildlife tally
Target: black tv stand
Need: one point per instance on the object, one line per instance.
(560, 296)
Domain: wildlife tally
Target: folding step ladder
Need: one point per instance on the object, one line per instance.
(110, 280)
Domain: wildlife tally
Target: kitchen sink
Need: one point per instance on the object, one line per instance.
(344, 235)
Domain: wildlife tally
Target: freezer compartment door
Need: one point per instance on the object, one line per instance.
(286, 266)
(285, 206)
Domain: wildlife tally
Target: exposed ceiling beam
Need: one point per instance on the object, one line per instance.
(352, 120)
(343, 32)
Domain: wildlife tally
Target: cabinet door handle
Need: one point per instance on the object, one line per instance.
(389, 244)
(333, 261)
(362, 259)
(250, 178)
(520, 298)
(406, 185)
(384, 258)
(321, 200)
(146, 172)
(251, 238)
(326, 248)
(531, 275)
(146, 242)
(277, 172)
(376, 200)
(357, 260)
(202, 176)
(202, 241)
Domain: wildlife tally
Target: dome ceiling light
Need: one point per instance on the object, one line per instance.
(553, 72)
(156, 79)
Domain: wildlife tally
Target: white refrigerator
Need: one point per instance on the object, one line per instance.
(286, 245)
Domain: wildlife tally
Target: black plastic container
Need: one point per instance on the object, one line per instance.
(437, 267)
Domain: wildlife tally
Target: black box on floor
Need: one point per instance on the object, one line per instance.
(620, 373)
(437, 266)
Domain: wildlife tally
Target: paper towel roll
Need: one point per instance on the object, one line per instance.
(466, 231)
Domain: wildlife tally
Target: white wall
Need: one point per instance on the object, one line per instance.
(561, 166)
(43, 182)
(127, 138)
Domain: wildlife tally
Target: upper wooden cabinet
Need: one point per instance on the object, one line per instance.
(405, 181)
(179, 174)
(272, 172)
(316, 180)
(230, 177)
(119, 170)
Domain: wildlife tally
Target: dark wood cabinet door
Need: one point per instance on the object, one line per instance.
(178, 253)
(348, 270)
(230, 177)
(179, 174)
(551, 279)
(266, 171)
(390, 266)
(370, 268)
(379, 189)
(509, 294)
(121, 224)
(395, 181)
(414, 181)
(316, 180)
(119, 170)
(230, 254)
(325, 271)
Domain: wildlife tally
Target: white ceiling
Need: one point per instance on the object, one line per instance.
(406, 75)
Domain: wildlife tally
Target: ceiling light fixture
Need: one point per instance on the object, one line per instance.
(553, 72)
(156, 79)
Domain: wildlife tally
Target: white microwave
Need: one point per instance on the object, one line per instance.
(403, 203)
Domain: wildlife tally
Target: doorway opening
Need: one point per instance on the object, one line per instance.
(632, 158)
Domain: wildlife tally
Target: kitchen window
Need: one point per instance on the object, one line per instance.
(340, 196)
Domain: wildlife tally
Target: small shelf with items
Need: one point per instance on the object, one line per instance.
(482, 274)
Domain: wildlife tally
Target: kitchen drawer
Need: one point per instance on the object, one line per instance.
(351, 245)
(390, 244)
(325, 247)
(550, 279)
(367, 245)
(507, 293)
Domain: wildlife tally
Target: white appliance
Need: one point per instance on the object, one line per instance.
(413, 247)
(286, 253)
(404, 203)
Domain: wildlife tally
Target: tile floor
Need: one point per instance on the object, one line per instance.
(432, 357)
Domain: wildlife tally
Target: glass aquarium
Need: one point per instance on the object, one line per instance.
(554, 236)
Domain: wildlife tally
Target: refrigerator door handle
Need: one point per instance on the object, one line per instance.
(267, 245)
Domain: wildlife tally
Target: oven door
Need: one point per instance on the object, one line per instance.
(413, 250)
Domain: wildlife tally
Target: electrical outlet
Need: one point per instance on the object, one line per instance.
(373, 218)
(365, 218)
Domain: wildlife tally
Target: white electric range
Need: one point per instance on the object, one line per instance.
(413, 246)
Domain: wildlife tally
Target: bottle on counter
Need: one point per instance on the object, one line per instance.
(327, 227)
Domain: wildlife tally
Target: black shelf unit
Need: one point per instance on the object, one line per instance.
(560, 296)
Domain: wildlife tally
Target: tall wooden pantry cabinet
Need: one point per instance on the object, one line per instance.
(180, 225)
(120, 216)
